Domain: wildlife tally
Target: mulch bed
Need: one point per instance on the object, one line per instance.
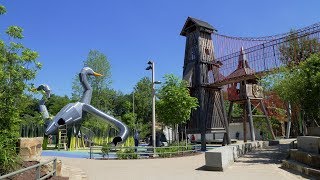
(31, 174)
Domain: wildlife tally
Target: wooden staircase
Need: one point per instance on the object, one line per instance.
(63, 139)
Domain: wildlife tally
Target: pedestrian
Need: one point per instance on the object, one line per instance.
(136, 140)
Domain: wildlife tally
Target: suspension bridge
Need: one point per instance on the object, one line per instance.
(264, 54)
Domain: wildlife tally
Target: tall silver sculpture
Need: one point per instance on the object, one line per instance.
(42, 107)
(73, 113)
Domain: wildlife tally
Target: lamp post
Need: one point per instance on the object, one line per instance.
(151, 67)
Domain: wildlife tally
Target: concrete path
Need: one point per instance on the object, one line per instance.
(74, 173)
(259, 165)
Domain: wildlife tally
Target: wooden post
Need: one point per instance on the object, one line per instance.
(230, 111)
(289, 120)
(202, 120)
(253, 137)
(245, 122)
(267, 118)
(225, 118)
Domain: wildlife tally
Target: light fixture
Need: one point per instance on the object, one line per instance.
(149, 67)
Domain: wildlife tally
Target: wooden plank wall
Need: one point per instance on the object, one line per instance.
(210, 113)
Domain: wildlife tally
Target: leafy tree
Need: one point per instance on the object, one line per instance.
(55, 103)
(18, 65)
(130, 119)
(301, 86)
(175, 103)
(297, 49)
(99, 63)
(143, 101)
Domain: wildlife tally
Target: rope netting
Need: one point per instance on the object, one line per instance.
(264, 53)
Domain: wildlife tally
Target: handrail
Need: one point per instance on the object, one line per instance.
(181, 149)
(37, 166)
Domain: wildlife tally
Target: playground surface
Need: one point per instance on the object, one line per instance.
(264, 164)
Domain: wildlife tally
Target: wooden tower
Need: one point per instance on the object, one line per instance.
(200, 70)
(246, 91)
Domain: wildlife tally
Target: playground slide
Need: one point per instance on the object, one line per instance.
(73, 113)
(124, 131)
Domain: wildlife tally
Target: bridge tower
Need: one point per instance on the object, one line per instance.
(200, 70)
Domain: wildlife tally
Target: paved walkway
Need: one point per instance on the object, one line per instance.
(264, 164)
(74, 173)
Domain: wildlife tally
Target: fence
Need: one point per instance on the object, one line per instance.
(147, 151)
(31, 130)
(38, 170)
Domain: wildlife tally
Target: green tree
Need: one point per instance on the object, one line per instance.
(143, 100)
(301, 86)
(55, 103)
(297, 49)
(99, 63)
(18, 65)
(175, 103)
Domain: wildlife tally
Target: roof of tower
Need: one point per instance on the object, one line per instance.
(192, 21)
(243, 67)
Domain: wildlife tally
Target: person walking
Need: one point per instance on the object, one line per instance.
(136, 140)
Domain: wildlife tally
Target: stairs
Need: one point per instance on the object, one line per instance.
(306, 163)
(63, 139)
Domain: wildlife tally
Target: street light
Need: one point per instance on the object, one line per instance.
(151, 67)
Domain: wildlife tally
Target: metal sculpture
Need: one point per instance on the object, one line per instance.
(42, 107)
(73, 113)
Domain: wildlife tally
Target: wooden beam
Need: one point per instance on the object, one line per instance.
(230, 111)
(245, 122)
(267, 118)
(253, 136)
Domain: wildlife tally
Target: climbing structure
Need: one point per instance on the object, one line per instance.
(210, 116)
(213, 61)
(246, 92)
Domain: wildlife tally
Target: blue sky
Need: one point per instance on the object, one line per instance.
(130, 33)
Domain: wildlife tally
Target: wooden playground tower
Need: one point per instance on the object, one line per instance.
(246, 92)
(210, 116)
(201, 71)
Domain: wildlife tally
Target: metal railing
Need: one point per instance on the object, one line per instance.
(143, 151)
(38, 170)
(293, 144)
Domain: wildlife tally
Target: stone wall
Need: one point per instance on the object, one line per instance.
(309, 144)
(220, 158)
(30, 148)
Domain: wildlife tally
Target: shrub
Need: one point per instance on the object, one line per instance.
(105, 150)
(127, 154)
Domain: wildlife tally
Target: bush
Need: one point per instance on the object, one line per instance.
(105, 150)
(127, 154)
(172, 150)
(9, 160)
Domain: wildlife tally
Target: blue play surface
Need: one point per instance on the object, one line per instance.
(74, 154)
(96, 155)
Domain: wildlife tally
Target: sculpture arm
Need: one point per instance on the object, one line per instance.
(124, 131)
(42, 107)
(44, 111)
